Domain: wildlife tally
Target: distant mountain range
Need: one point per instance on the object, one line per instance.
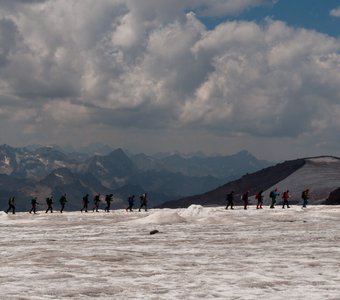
(321, 175)
(44, 171)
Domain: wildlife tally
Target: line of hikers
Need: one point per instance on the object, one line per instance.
(85, 203)
(272, 195)
(143, 201)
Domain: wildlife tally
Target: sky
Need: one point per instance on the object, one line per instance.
(151, 76)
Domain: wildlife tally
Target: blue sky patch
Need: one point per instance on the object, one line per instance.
(309, 14)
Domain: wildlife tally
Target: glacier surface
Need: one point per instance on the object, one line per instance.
(199, 252)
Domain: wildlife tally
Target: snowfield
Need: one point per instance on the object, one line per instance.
(199, 253)
(321, 175)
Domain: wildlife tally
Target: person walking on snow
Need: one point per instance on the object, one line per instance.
(108, 200)
(34, 203)
(85, 203)
(273, 194)
(96, 201)
(62, 202)
(244, 198)
(11, 205)
(285, 198)
(259, 198)
(230, 200)
(305, 197)
(143, 202)
(49, 202)
(131, 202)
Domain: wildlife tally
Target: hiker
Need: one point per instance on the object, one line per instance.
(273, 194)
(49, 202)
(11, 205)
(143, 202)
(259, 198)
(85, 203)
(108, 200)
(96, 201)
(131, 202)
(305, 197)
(244, 198)
(62, 202)
(230, 200)
(285, 198)
(34, 203)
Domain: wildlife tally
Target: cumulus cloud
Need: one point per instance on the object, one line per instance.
(140, 65)
(264, 77)
(13, 4)
(335, 12)
(9, 38)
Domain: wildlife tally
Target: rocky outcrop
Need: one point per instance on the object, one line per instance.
(334, 198)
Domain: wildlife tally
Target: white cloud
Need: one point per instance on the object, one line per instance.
(335, 12)
(142, 65)
(270, 83)
(64, 112)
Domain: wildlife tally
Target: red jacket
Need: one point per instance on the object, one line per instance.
(285, 195)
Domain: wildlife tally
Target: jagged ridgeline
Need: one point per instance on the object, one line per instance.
(43, 171)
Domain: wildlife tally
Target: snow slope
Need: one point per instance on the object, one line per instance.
(321, 175)
(199, 253)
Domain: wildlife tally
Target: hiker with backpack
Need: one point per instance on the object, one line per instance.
(62, 202)
(85, 203)
(285, 198)
(244, 198)
(230, 200)
(273, 195)
(131, 202)
(108, 200)
(49, 202)
(34, 203)
(305, 197)
(11, 205)
(143, 202)
(259, 198)
(96, 201)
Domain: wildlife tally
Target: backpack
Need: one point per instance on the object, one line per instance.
(271, 195)
(257, 196)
